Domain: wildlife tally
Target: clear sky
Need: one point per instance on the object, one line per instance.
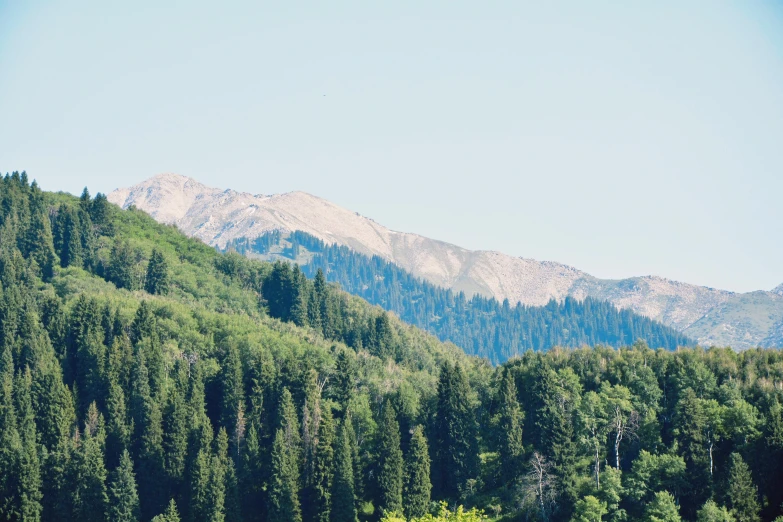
(623, 138)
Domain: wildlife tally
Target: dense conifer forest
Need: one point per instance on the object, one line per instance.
(479, 325)
(145, 376)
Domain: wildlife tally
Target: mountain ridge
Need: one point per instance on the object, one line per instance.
(216, 216)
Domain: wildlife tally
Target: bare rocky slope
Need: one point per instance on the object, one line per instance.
(216, 216)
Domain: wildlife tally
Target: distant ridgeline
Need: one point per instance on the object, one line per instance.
(479, 325)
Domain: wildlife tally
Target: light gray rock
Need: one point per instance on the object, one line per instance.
(218, 216)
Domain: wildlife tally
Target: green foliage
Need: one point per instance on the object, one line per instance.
(589, 509)
(284, 487)
(444, 515)
(711, 512)
(742, 494)
(481, 326)
(123, 497)
(343, 493)
(390, 462)
(417, 476)
(156, 281)
(170, 515)
(213, 396)
(455, 438)
(510, 425)
(662, 508)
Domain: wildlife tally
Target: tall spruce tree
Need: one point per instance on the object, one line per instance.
(123, 497)
(511, 446)
(170, 515)
(343, 495)
(455, 434)
(390, 462)
(90, 499)
(741, 492)
(284, 484)
(157, 280)
(417, 476)
(323, 469)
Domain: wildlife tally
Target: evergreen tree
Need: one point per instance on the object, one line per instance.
(175, 438)
(89, 477)
(157, 279)
(215, 508)
(511, 447)
(556, 430)
(455, 448)
(323, 469)
(284, 484)
(417, 476)
(343, 495)
(690, 427)
(390, 462)
(170, 515)
(123, 498)
(232, 388)
(198, 471)
(123, 266)
(741, 492)
(251, 476)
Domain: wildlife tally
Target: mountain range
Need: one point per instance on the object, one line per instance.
(219, 217)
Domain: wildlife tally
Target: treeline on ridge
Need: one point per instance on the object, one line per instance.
(481, 326)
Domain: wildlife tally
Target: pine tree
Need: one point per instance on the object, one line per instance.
(345, 377)
(511, 447)
(29, 467)
(232, 394)
(311, 423)
(390, 463)
(323, 468)
(157, 280)
(175, 439)
(284, 485)
(455, 434)
(123, 497)
(69, 234)
(216, 491)
(198, 471)
(417, 476)
(122, 269)
(170, 515)
(89, 478)
(343, 496)
(148, 439)
(251, 475)
(741, 492)
(556, 430)
(690, 426)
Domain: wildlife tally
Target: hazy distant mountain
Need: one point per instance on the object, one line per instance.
(219, 216)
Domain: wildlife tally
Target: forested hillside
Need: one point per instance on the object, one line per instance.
(479, 325)
(144, 376)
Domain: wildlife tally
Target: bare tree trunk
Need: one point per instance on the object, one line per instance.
(617, 438)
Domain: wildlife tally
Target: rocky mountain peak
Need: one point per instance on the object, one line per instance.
(218, 216)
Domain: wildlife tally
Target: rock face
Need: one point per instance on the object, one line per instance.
(713, 317)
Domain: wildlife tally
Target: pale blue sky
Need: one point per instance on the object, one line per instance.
(623, 138)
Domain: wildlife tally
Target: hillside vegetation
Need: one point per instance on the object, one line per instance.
(144, 376)
(479, 325)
